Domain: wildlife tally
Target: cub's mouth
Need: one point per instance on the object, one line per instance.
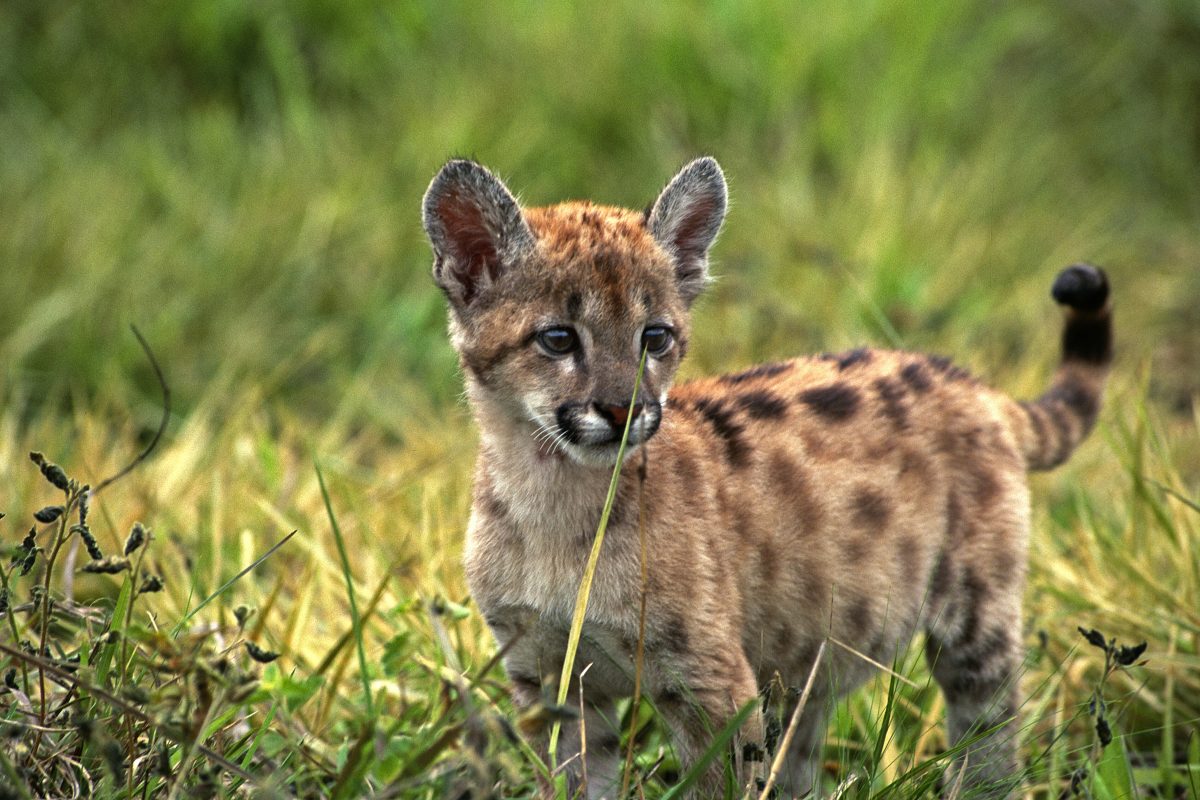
(590, 433)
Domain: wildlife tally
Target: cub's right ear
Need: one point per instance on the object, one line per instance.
(476, 228)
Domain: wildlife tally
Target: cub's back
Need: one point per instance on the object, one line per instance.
(866, 492)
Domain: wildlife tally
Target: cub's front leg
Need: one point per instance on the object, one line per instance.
(716, 684)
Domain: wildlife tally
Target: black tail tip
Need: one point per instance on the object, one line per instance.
(1082, 287)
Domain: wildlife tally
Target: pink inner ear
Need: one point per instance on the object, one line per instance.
(472, 246)
(694, 232)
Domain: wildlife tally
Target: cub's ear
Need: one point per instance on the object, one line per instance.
(476, 228)
(685, 220)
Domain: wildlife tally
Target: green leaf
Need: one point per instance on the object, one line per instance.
(1113, 776)
(294, 692)
(396, 653)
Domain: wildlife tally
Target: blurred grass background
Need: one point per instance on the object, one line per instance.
(242, 181)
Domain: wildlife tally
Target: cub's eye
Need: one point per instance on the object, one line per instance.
(657, 339)
(558, 341)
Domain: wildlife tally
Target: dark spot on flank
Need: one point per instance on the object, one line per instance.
(726, 428)
(795, 492)
(870, 509)
(760, 371)
(859, 617)
(942, 578)
(953, 516)
(891, 395)
(675, 636)
(804, 662)
(974, 590)
(768, 562)
(916, 377)
(909, 554)
(947, 368)
(763, 405)
(860, 355)
(783, 638)
(964, 668)
(1005, 567)
(835, 402)
(857, 548)
(985, 486)
(913, 465)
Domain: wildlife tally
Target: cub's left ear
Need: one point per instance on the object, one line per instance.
(686, 218)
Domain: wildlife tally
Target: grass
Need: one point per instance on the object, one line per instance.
(242, 183)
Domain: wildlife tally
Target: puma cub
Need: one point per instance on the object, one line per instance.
(864, 496)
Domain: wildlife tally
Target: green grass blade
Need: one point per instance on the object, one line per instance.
(355, 621)
(589, 572)
(719, 743)
(179, 625)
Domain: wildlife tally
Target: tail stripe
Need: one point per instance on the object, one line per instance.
(1060, 419)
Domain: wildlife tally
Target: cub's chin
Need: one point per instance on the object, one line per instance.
(599, 455)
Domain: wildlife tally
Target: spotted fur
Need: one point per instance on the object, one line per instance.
(866, 496)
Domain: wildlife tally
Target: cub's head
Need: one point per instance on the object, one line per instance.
(550, 308)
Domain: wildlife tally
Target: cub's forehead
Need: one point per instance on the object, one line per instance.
(587, 233)
(588, 249)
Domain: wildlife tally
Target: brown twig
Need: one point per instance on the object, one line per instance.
(786, 741)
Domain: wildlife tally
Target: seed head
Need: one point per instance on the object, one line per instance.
(1126, 656)
(152, 583)
(242, 614)
(137, 537)
(52, 472)
(107, 566)
(48, 514)
(1094, 638)
(1103, 732)
(93, 547)
(260, 655)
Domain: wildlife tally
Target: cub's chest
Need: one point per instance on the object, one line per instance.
(536, 642)
(536, 561)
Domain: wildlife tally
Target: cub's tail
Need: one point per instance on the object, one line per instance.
(1052, 426)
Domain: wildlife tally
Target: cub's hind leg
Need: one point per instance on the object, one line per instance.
(974, 654)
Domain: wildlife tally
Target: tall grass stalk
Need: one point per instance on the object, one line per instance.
(589, 571)
(355, 619)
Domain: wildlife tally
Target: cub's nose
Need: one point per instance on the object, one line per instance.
(617, 415)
